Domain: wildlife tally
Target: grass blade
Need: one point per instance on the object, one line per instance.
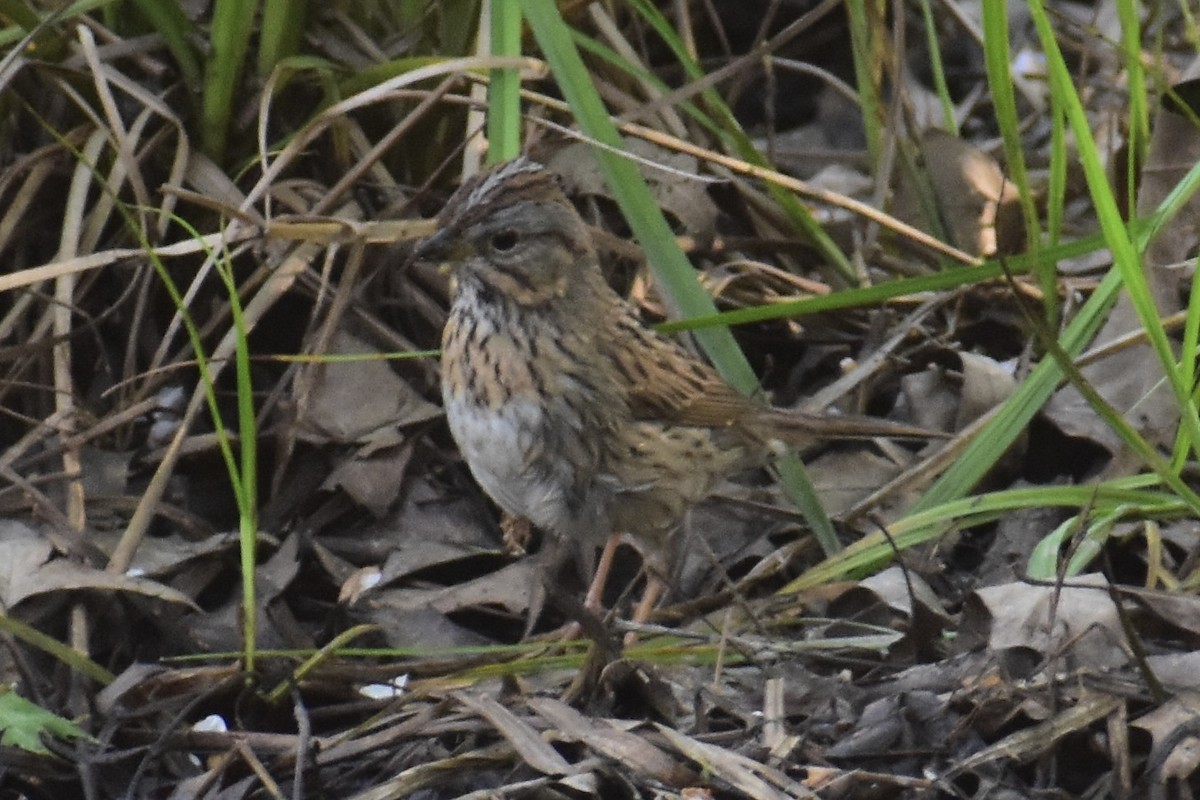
(232, 25)
(671, 268)
(504, 89)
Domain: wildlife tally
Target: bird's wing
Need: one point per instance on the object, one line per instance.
(664, 383)
(667, 384)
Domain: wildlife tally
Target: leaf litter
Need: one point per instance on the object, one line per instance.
(947, 674)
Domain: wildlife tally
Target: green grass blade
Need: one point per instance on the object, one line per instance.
(1013, 417)
(232, 25)
(997, 58)
(867, 68)
(1129, 15)
(1117, 422)
(874, 550)
(737, 140)
(937, 69)
(246, 479)
(1189, 345)
(874, 295)
(48, 644)
(283, 24)
(243, 472)
(671, 268)
(1126, 254)
(166, 17)
(504, 89)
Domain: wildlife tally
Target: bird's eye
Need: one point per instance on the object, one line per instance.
(504, 241)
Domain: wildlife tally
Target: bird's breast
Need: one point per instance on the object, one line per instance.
(520, 417)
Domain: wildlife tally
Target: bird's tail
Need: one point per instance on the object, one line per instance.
(800, 429)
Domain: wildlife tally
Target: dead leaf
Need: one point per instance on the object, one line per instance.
(1176, 751)
(414, 625)
(1179, 611)
(1177, 670)
(22, 553)
(681, 196)
(373, 476)
(359, 583)
(425, 520)
(1077, 622)
(898, 590)
(159, 556)
(356, 401)
(515, 587)
(104, 472)
(420, 616)
(977, 205)
(1033, 741)
(932, 397)
(631, 751)
(744, 774)
(63, 574)
(418, 555)
(906, 721)
(530, 746)
(986, 383)
(1017, 534)
(842, 477)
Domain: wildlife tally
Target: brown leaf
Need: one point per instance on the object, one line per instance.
(744, 774)
(986, 384)
(1077, 621)
(1175, 754)
(975, 199)
(63, 574)
(1029, 742)
(373, 480)
(681, 196)
(633, 752)
(525, 740)
(356, 401)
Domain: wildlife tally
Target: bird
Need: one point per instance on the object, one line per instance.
(567, 409)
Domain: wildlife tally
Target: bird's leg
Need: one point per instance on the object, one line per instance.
(586, 618)
(656, 587)
(593, 600)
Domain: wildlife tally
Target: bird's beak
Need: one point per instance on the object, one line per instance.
(444, 247)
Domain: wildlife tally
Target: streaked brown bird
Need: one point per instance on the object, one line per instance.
(570, 412)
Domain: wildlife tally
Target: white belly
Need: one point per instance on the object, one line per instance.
(502, 447)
